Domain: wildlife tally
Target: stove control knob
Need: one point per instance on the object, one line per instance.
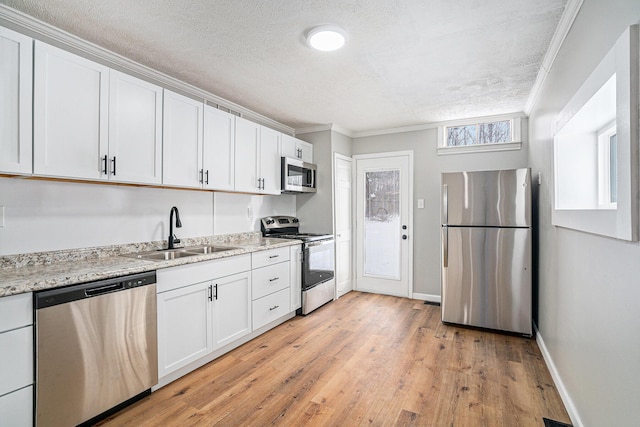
(295, 220)
(270, 221)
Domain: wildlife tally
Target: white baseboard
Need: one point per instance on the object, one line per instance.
(564, 394)
(427, 297)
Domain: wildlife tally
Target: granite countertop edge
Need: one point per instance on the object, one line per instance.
(28, 273)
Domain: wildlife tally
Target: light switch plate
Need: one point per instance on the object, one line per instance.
(420, 203)
(1, 216)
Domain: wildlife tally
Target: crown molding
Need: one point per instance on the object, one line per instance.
(325, 127)
(47, 33)
(562, 30)
(434, 125)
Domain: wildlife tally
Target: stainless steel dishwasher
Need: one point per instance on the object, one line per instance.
(96, 348)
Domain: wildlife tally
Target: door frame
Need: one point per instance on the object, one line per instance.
(354, 199)
(352, 261)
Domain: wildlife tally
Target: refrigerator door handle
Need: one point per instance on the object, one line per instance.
(445, 246)
(445, 204)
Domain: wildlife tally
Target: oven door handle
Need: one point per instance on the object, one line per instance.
(319, 243)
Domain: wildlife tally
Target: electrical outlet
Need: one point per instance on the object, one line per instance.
(249, 212)
(1, 216)
(420, 203)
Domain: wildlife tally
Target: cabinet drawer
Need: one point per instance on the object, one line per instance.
(272, 256)
(185, 275)
(269, 308)
(16, 311)
(269, 279)
(16, 409)
(16, 359)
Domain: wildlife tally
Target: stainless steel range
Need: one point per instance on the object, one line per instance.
(318, 260)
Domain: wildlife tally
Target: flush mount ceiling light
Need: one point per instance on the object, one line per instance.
(326, 37)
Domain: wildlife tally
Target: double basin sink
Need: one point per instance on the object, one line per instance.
(169, 254)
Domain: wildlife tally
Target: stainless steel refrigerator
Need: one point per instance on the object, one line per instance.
(486, 249)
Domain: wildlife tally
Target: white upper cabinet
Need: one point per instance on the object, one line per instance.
(246, 158)
(270, 160)
(182, 146)
(297, 149)
(257, 158)
(16, 64)
(135, 130)
(219, 149)
(70, 113)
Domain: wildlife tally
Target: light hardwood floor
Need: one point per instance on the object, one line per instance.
(364, 359)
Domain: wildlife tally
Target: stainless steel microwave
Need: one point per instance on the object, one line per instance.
(298, 176)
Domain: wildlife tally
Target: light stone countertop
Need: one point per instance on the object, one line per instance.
(45, 270)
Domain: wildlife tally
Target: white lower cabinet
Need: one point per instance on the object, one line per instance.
(16, 360)
(295, 276)
(207, 307)
(271, 282)
(232, 308)
(16, 409)
(199, 312)
(184, 327)
(269, 308)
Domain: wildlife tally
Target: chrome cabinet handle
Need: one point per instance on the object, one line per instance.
(210, 293)
(201, 179)
(206, 174)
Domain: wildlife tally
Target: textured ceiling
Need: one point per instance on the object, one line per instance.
(405, 62)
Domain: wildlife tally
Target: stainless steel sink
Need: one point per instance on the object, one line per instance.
(163, 255)
(208, 249)
(169, 254)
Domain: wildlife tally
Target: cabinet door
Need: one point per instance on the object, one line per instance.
(270, 160)
(306, 151)
(288, 147)
(16, 359)
(295, 276)
(16, 409)
(182, 146)
(70, 113)
(232, 308)
(184, 326)
(135, 130)
(219, 147)
(16, 59)
(246, 158)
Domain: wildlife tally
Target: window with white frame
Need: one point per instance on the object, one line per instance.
(607, 167)
(495, 133)
(479, 133)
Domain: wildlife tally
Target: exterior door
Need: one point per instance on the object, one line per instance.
(383, 216)
(343, 220)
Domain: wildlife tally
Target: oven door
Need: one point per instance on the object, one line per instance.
(319, 262)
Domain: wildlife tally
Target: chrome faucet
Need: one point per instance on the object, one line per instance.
(172, 237)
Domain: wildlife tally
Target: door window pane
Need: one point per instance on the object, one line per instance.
(382, 224)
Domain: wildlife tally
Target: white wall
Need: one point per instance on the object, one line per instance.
(589, 286)
(426, 183)
(241, 213)
(54, 215)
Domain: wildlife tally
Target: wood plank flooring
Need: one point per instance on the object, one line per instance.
(364, 359)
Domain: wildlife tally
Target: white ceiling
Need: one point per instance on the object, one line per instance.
(405, 62)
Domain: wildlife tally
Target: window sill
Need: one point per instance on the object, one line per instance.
(480, 148)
